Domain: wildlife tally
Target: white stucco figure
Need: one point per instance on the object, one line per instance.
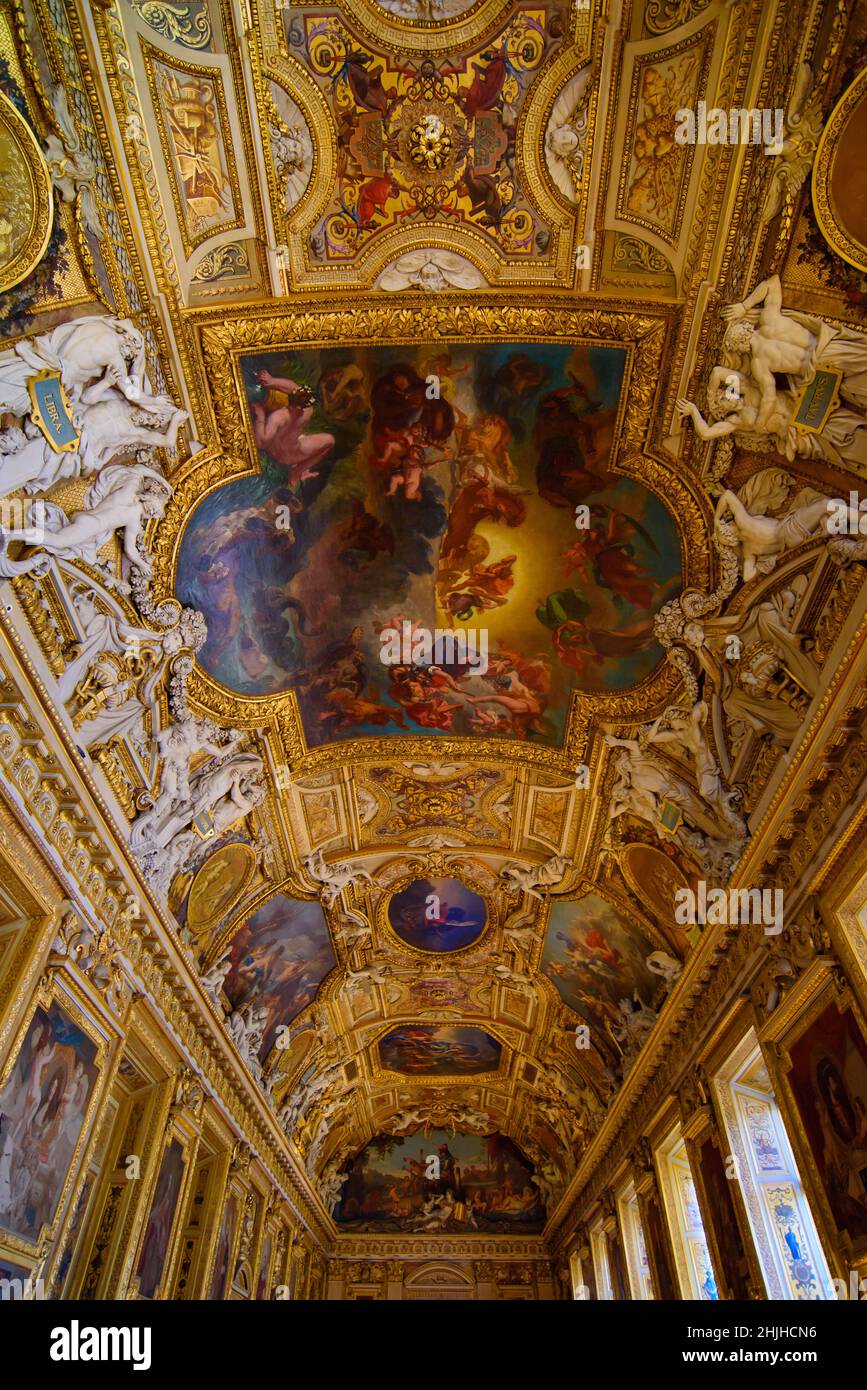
(123, 498)
(547, 875)
(764, 344)
(661, 963)
(432, 271)
(566, 133)
(334, 878)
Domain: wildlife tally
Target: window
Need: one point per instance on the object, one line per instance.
(637, 1263)
(787, 1243)
(692, 1257)
(579, 1288)
(601, 1268)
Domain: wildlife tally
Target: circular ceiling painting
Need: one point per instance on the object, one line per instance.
(437, 914)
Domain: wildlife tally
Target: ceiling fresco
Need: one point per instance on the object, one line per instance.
(425, 1050)
(429, 140)
(437, 585)
(277, 961)
(437, 914)
(417, 489)
(596, 959)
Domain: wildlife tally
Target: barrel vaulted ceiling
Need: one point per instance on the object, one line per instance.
(463, 243)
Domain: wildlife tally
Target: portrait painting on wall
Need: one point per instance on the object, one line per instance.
(437, 914)
(42, 1112)
(279, 959)
(828, 1078)
(386, 508)
(224, 1247)
(441, 1182)
(439, 1050)
(156, 1241)
(596, 958)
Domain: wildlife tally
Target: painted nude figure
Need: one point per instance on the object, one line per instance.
(279, 423)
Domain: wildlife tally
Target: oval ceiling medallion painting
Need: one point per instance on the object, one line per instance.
(839, 185)
(437, 914)
(431, 1049)
(26, 202)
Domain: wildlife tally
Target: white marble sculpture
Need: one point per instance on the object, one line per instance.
(686, 729)
(334, 878)
(549, 1182)
(545, 876)
(225, 792)
(107, 638)
(661, 963)
(765, 342)
(72, 169)
(512, 978)
(742, 519)
(177, 745)
(186, 798)
(767, 648)
(101, 364)
(404, 1120)
(123, 498)
(246, 1028)
(433, 271)
(520, 940)
(645, 781)
(634, 1026)
(367, 978)
(213, 980)
(331, 1181)
(566, 133)
(291, 146)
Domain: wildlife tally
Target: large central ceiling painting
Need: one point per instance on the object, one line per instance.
(413, 488)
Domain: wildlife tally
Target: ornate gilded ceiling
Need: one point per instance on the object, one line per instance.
(431, 289)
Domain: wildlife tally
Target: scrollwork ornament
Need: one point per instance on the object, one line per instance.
(661, 16)
(176, 22)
